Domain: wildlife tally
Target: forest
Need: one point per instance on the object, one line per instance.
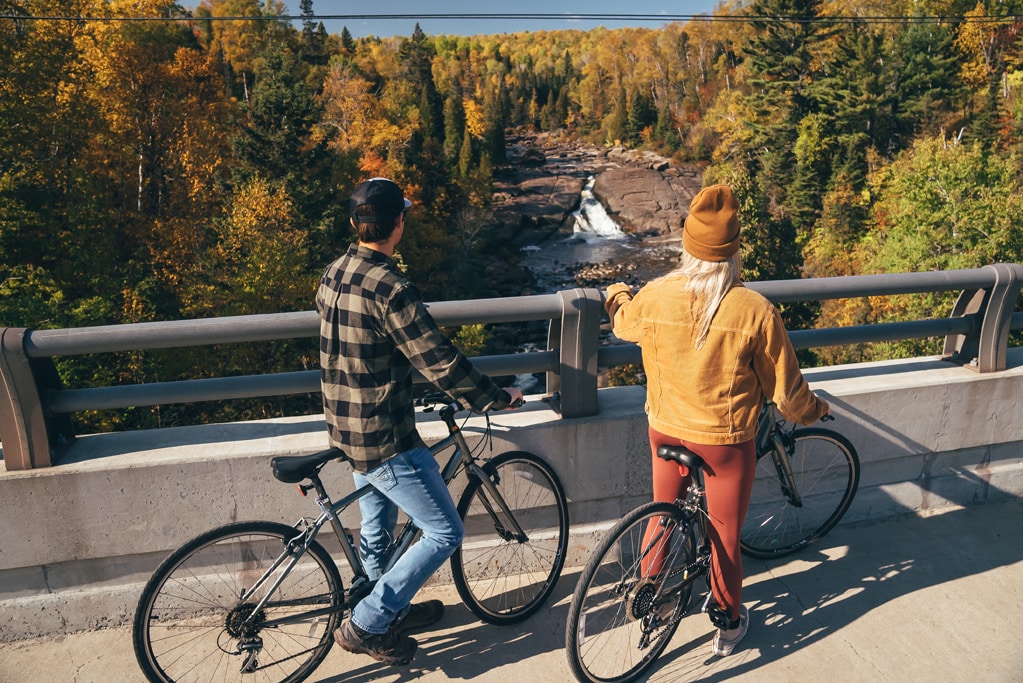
(165, 163)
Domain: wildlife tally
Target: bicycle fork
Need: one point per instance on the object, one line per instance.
(780, 454)
(493, 495)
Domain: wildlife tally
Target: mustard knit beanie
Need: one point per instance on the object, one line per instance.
(711, 230)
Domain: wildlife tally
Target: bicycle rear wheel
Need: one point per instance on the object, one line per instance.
(504, 579)
(621, 619)
(190, 624)
(826, 474)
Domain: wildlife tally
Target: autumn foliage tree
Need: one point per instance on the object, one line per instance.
(190, 166)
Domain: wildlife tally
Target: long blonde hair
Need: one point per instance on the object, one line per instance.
(708, 283)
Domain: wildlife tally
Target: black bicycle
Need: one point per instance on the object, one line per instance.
(806, 480)
(259, 601)
(638, 583)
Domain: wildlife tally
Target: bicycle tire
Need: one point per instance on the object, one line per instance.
(618, 622)
(189, 609)
(826, 470)
(502, 580)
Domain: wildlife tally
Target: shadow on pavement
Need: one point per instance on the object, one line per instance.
(895, 599)
(464, 648)
(799, 603)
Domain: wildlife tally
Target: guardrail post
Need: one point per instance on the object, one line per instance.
(577, 340)
(23, 433)
(984, 350)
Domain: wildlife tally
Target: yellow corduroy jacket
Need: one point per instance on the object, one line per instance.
(712, 395)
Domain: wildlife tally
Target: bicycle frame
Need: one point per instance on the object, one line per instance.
(769, 441)
(330, 511)
(695, 503)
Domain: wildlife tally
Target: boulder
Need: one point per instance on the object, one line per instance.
(531, 204)
(647, 200)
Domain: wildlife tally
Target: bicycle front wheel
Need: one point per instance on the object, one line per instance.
(632, 594)
(825, 476)
(503, 578)
(197, 618)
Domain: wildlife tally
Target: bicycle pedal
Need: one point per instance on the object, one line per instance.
(719, 616)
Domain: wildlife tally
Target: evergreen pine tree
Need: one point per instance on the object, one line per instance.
(465, 155)
(926, 83)
(641, 115)
(312, 36)
(454, 125)
(986, 124)
(347, 42)
(276, 143)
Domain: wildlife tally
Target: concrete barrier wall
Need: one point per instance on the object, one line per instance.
(78, 540)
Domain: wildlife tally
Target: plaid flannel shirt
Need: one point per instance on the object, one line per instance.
(374, 329)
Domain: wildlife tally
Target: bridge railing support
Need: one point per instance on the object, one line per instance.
(30, 434)
(983, 347)
(577, 339)
(35, 411)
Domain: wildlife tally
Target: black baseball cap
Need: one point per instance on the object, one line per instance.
(377, 200)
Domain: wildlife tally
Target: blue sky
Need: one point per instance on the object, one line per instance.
(404, 27)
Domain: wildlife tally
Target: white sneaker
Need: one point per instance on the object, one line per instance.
(727, 638)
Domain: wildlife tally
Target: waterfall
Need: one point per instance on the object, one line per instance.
(596, 239)
(591, 221)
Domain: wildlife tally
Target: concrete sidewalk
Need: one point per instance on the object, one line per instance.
(908, 599)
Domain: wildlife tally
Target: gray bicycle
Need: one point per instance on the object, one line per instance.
(259, 601)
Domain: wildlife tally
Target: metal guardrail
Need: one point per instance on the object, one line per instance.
(35, 410)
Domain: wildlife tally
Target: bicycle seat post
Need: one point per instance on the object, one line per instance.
(696, 493)
(694, 463)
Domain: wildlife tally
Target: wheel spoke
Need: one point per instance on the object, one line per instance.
(501, 578)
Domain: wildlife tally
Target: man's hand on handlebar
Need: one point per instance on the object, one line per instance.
(515, 395)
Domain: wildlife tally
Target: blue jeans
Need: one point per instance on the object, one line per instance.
(410, 481)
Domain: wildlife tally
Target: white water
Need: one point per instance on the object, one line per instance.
(596, 238)
(591, 220)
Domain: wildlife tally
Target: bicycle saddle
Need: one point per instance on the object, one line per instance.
(681, 455)
(292, 469)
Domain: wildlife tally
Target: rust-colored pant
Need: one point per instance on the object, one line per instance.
(728, 479)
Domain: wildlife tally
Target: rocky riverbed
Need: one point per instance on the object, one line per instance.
(537, 198)
(536, 202)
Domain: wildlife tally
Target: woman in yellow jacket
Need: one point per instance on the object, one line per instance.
(712, 351)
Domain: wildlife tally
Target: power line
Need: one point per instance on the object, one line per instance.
(549, 17)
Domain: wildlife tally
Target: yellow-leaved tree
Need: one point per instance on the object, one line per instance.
(258, 264)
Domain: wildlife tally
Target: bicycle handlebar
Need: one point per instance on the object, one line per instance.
(436, 398)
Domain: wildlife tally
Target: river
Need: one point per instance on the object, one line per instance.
(598, 252)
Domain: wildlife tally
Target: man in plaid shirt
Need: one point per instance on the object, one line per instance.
(374, 329)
